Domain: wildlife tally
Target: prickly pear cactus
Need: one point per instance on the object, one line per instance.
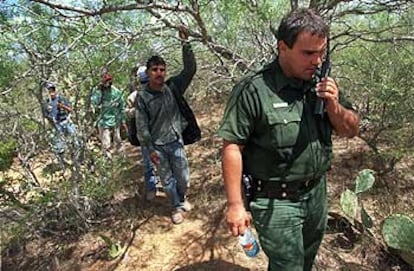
(350, 200)
(364, 181)
(398, 233)
(349, 203)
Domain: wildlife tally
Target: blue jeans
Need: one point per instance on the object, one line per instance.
(174, 172)
(149, 171)
(64, 129)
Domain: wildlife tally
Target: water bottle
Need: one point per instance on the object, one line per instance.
(249, 243)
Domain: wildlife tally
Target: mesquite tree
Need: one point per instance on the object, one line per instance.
(72, 44)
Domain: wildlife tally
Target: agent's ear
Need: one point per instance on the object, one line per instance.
(282, 46)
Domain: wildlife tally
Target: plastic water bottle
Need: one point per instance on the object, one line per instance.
(249, 243)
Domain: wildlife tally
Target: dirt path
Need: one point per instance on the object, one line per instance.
(203, 242)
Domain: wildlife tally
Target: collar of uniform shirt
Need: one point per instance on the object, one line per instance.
(281, 81)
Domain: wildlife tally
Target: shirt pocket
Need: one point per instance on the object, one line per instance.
(284, 127)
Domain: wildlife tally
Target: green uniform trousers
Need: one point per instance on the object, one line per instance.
(290, 233)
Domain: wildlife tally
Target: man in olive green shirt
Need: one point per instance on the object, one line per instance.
(111, 105)
(273, 136)
(160, 125)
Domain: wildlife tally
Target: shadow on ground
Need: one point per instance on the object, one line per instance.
(217, 265)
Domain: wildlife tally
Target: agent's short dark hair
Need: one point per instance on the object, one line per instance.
(298, 21)
(155, 61)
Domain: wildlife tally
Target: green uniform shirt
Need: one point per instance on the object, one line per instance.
(112, 106)
(273, 116)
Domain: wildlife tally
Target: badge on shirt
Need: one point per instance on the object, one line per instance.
(280, 105)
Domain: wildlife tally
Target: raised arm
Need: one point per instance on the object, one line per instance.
(183, 79)
(344, 121)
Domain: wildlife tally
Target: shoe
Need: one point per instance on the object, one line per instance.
(186, 207)
(150, 195)
(177, 217)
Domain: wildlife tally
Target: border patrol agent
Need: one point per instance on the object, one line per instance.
(272, 135)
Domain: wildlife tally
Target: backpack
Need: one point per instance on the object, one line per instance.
(192, 132)
(132, 132)
(132, 128)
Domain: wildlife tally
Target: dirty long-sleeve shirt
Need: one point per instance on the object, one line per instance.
(158, 117)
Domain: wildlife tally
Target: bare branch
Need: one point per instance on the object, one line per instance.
(113, 8)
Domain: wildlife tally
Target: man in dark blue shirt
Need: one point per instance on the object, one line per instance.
(57, 110)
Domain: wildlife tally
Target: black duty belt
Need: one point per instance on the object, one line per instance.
(283, 190)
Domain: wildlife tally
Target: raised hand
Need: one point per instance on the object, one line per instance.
(183, 32)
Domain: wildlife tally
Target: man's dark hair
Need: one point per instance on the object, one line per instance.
(301, 20)
(155, 60)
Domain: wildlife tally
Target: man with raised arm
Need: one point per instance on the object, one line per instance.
(160, 125)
